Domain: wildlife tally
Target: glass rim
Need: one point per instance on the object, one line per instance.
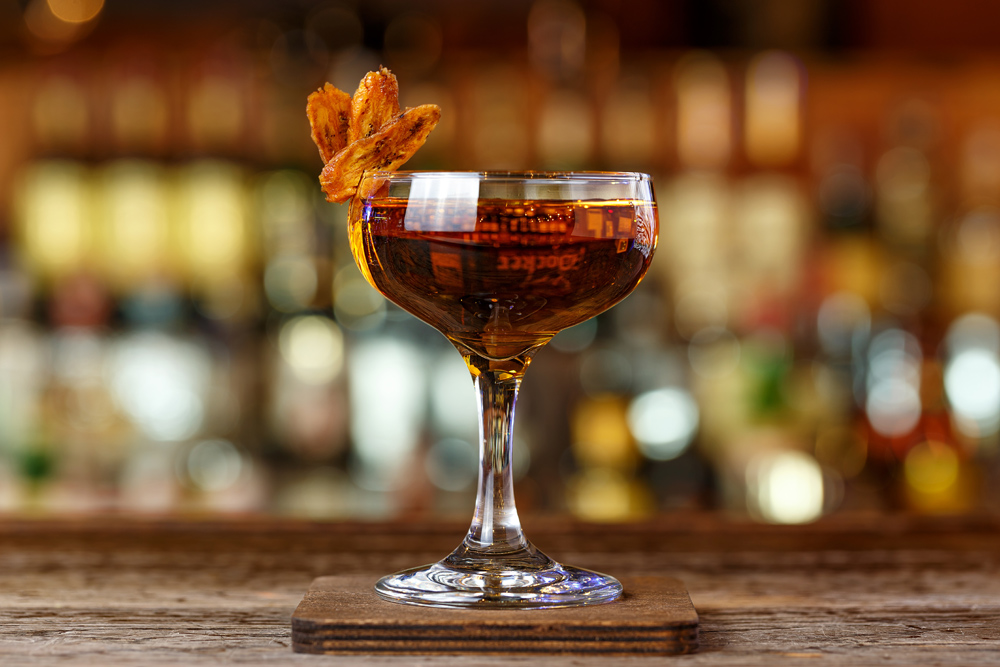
(524, 175)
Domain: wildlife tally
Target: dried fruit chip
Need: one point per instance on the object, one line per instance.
(328, 110)
(386, 149)
(365, 132)
(375, 103)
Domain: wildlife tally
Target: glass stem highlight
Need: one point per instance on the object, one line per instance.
(495, 525)
(495, 536)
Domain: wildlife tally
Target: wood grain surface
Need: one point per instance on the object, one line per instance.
(343, 615)
(850, 591)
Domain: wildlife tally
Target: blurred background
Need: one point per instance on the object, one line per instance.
(182, 329)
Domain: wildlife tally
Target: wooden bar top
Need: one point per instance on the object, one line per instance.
(845, 591)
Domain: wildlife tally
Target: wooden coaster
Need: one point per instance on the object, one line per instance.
(344, 615)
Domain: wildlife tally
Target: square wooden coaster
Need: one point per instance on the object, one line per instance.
(344, 615)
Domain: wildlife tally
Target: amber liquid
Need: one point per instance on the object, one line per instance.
(501, 278)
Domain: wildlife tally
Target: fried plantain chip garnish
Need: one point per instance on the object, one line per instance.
(375, 103)
(365, 132)
(384, 150)
(329, 110)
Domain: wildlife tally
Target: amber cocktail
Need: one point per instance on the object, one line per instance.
(500, 262)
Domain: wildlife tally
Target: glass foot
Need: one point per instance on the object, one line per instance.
(440, 585)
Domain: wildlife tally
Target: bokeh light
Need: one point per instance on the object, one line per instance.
(663, 422)
(602, 494)
(453, 401)
(600, 434)
(772, 108)
(356, 304)
(704, 124)
(290, 283)
(136, 241)
(972, 381)
(972, 374)
(214, 465)
(139, 113)
(565, 138)
(931, 467)
(161, 382)
(61, 21)
(55, 216)
(61, 115)
(894, 367)
(786, 487)
(629, 120)
(388, 395)
(183, 328)
(313, 346)
(75, 11)
(213, 224)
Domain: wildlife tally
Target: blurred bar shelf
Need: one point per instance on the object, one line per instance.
(850, 589)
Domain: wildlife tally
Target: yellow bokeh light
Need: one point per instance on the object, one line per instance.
(213, 221)
(600, 434)
(314, 348)
(786, 487)
(931, 467)
(602, 494)
(134, 221)
(75, 11)
(54, 216)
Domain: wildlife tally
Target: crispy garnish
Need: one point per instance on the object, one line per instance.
(384, 150)
(328, 110)
(375, 103)
(365, 132)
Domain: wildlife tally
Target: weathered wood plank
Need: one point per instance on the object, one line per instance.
(888, 592)
(343, 615)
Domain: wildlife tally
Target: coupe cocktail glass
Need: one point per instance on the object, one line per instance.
(499, 262)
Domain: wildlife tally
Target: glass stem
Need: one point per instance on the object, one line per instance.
(496, 526)
(495, 541)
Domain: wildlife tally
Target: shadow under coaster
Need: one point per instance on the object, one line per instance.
(344, 615)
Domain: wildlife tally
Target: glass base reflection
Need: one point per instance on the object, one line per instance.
(549, 584)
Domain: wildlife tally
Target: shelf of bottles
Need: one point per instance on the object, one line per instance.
(182, 329)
